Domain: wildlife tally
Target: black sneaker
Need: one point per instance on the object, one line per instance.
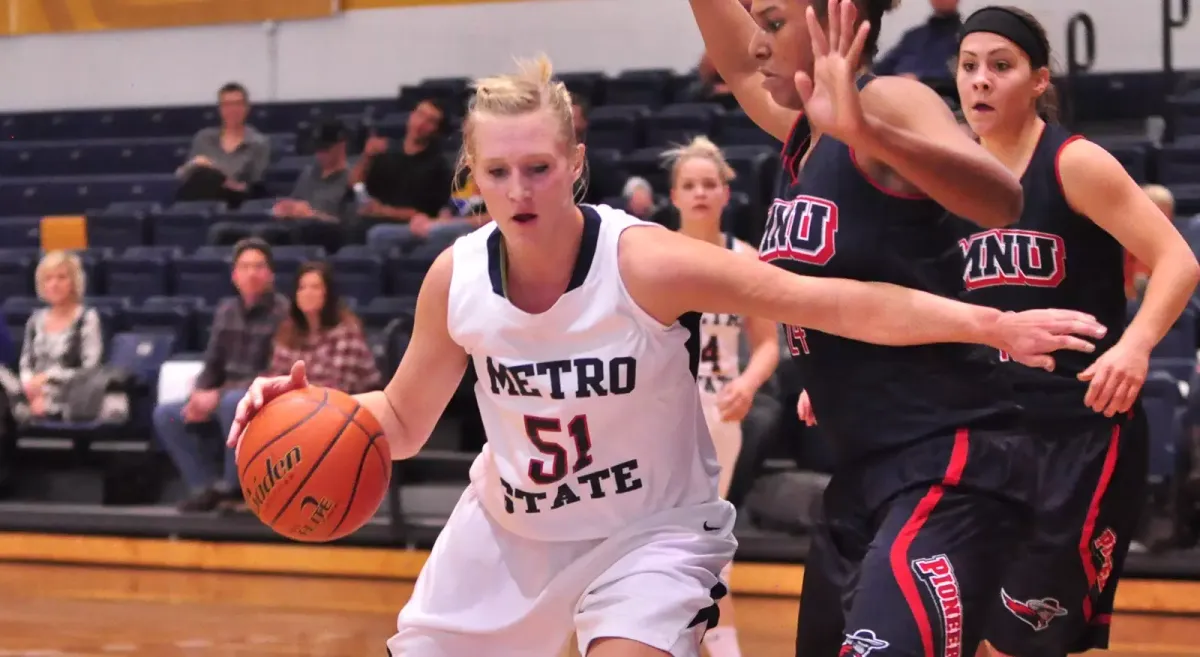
(202, 502)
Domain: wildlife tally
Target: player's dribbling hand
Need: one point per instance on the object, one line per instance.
(804, 410)
(1030, 337)
(261, 391)
(1116, 378)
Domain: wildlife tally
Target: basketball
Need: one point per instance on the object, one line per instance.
(314, 465)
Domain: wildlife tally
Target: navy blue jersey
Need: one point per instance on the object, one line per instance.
(1053, 257)
(831, 220)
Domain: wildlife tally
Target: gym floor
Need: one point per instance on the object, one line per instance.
(73, 611)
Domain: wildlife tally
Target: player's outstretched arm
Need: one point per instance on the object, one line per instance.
(410, 405)
(669, 274)
(432, 367)
(727, 29)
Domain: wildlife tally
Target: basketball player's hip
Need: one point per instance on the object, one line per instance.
(488, 590)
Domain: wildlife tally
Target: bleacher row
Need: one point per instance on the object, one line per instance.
(81, 161)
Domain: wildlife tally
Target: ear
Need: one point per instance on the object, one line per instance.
(1041, 80)
(578, 160)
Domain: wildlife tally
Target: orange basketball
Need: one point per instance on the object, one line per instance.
(314, 465)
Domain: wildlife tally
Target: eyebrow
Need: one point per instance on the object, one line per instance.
(1004, 49)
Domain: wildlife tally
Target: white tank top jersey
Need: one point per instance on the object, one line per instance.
(591, 409)
(720, 352)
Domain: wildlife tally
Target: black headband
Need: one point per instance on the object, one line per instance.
(1011, 26)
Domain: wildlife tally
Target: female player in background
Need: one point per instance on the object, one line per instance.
(700, 179)
(932, 483)
(1082, 210)
(594, 507)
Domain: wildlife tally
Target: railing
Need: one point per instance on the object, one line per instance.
(1171, 23)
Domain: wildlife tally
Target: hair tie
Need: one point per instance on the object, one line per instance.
(1012, 26)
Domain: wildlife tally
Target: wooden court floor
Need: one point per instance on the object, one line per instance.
(76, 611)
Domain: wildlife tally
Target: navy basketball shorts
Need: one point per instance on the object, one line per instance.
(1057, 596)
(914, 542)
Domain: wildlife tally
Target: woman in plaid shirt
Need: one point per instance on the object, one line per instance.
(320, 331)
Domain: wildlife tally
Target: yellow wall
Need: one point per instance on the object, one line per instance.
(40, 16)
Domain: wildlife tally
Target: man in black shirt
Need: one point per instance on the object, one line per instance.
(406, 188)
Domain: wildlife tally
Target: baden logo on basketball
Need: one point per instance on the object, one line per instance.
(318, 510)
(276, 472)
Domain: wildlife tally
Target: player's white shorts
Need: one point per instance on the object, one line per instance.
(727, 439)
(487, 592)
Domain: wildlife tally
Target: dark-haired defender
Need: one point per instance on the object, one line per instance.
(1081, 209)
(931, 486)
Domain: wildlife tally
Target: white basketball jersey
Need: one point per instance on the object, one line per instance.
(591, 409)
(720, 336)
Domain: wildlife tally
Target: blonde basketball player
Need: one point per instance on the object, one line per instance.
(594, 505)
(700, 178)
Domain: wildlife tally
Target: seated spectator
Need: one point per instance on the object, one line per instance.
(60, 340)
(320, 206)
(407, 189)
(226, 163)
(639, 198)
(323, 333)
(1137, 274)
(239, 349)
(926, 51)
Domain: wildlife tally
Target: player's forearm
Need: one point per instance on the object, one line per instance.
(884, 314)
(967, 182)
(763, 360)
(402, 442)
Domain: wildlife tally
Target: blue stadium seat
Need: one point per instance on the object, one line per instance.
(358, 272)
(17, 309)
(1179, 163)
(406, 272)
(172, 315)
(16, 272)
(202, 275)
(649, 87)
(587, 86)
(1180, 341)
(1180, 368)
(21, 232)
(617, 127)
(119, 226)
(678, 124)
(757, 168)
(139, 273)
(737, 129)
(647, 163)
(1165, 407)
(380, 311)
(185, 224)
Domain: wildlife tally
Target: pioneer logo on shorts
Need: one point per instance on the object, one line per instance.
(1037, 613)
(273, 472)
(318, 509)
(1102, 549)
(939, 578)
(861, 643)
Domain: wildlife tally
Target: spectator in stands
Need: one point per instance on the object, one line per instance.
(1137, 274)
(407, 189)
(321, 204)
(708, 85)
(239, 349)
(323, 333)
(639, 198)
(603, 180)
(926, 51)
(226, 163)
(60, 340)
